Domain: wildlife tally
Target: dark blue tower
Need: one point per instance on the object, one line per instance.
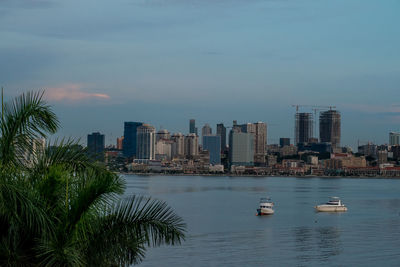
(129, 143)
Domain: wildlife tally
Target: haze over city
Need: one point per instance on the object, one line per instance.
(165, 62)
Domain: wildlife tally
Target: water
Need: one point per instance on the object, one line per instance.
(224, 231)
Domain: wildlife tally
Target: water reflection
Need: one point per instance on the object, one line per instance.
(195, 189)
(329, 243)
(317, 243)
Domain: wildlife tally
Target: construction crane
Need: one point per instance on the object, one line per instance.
(313, 106)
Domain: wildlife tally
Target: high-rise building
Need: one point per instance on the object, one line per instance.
(221, 131)
(212, 143)
(284, 141)
(303, 127)
(241, 148)
(96, 145)
(191, 145)
(36, 148)
(394, 138)
(329, 127)
(129, 143)
(206, 130)
(146, 142)
(259, 130)
(163, 149)
(120, 141)
(178, 145)
(192, 126)
(163, 134)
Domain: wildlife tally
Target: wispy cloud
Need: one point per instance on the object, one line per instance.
(71, 92)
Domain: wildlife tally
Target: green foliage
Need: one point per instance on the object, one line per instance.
(59, 208)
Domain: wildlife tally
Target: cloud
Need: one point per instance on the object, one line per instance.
(72, 92)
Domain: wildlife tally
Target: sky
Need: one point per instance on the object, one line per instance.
(164, 62)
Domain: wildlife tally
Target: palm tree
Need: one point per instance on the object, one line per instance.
(61, 208)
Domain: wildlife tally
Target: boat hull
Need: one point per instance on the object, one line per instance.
(325, 208)
(265, 211)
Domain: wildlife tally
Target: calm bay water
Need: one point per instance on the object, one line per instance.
(224, 231)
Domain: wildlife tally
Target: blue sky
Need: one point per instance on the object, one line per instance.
(166, 61)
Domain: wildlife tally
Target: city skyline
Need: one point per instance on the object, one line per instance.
(165, 62)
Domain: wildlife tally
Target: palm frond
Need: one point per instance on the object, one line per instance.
(131, 225)
(22, 207)
(93, 191)
(66, 152)
(26, 118)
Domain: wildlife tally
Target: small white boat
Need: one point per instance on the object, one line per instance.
(266, 207)
(333, 205)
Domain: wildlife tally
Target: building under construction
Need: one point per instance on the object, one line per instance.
(304, 127)
(329, 127)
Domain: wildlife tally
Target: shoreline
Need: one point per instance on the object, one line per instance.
(254, 175)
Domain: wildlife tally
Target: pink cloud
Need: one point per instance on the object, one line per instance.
(72, 92)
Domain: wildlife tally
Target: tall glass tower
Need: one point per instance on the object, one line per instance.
(129, 143)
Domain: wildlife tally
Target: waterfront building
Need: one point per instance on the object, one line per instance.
(146, 142)
(382, 156)
(284, 141)
(271, 160)
(394, 138)
(178, 145)
(303, 127)
(192, 126)
(221, 131)
(129, 142)
(341, 161)
(191, 145)
(330, 127)
(163, 134)
(241, 148)
(120, 141)
(212, 143)
(96, 145)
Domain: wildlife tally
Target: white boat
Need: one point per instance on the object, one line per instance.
(333, 205)
(266, 207)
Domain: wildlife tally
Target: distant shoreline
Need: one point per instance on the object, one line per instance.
(253, 175)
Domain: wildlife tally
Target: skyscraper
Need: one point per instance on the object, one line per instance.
(163, 134)
(191, 145)
(206, 130)
(329, 127)
(303, 127)
(129, 143)
(96, 145)
(192, 126)
(221, 131)
(146, 142)
(178, 145)
(241, 148)
(259, 131)
(394, 138)
(212, 143)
